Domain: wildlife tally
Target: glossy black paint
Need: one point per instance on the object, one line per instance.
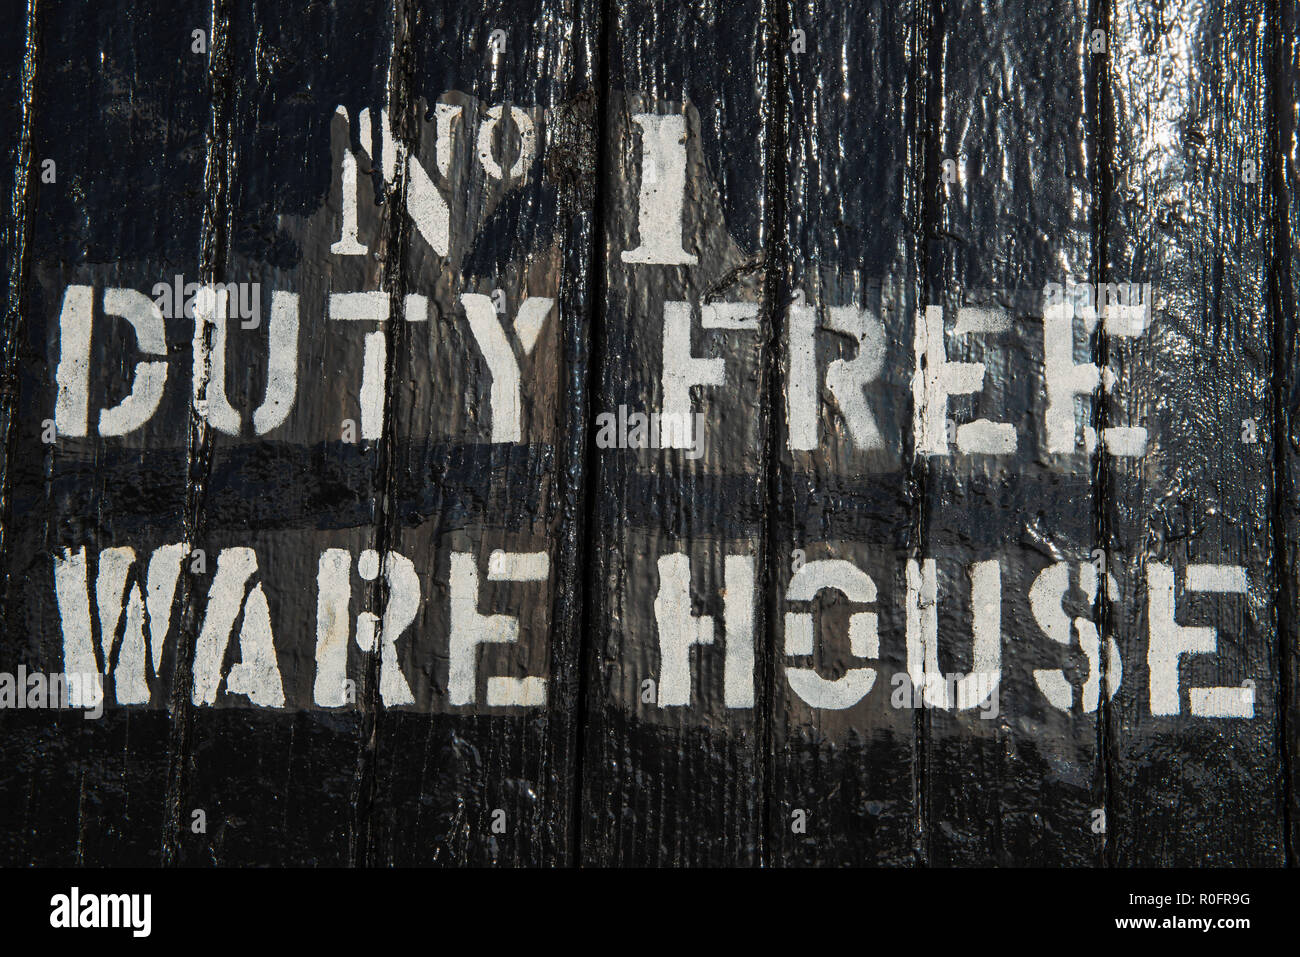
(818, 172)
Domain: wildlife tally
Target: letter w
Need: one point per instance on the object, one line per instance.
(132, 663)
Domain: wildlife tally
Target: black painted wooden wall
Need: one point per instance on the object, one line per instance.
(885, 156)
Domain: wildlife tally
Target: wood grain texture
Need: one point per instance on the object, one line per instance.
(855, 156)
(1189, 96)
(299, 489)
(440, 778)
(853, 209)
(678, 784)
(1008, 110)
(1284, 297)
(95, 791)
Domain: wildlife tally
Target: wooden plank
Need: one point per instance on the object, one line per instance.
(1191, 520)
(486, 779)
(19, 40)
(17, 182)
(287, 486)
(433, 479)
(673, 760)
(441, 644)
(120, 106)
(1009, 774)
(1284, 295)
(843, 784)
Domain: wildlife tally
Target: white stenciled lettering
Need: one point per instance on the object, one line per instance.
(257, 673)
(505, 397)
(679, 630)
(209, 377)
(864, 637)
(936, 378)
(139, 653)
(1046, 596)
(470, 629)
(923, 635)
(1170, 641)
(73, 371)
(663, 188)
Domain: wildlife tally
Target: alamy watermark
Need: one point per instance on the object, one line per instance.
(76, 910)
(231, 300)
(34, 690)
(653, 430)
(935, 689)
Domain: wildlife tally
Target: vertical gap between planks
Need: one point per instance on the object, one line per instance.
(776, 22)
(404, 120)
(17, 237)
(927, 80)
(1280, 39)
(595, 356)
(1102, 130)
(212, 258)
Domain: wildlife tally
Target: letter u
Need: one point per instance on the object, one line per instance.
(281, 372)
